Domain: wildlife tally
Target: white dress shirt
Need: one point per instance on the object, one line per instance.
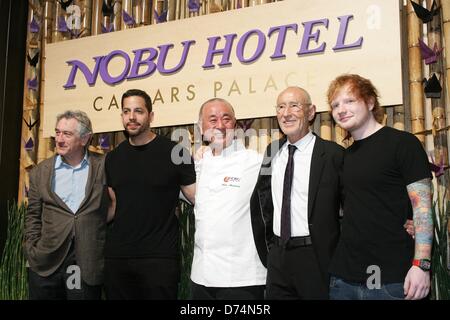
(300, 185)
(224, 252)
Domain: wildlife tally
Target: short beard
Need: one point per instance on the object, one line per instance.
(140, 131)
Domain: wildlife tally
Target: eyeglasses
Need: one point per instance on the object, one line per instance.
(292, 106)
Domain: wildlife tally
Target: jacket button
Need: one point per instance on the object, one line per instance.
(76, 217)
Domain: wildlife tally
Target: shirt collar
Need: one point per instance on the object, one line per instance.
(60, 163)
(302, 143)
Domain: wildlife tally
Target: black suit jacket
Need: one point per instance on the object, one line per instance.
(324, 199)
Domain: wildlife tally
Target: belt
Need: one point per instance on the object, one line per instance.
(293, 242)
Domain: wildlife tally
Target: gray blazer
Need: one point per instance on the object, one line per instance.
(50, 225)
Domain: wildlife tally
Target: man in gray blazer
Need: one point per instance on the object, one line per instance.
(66, 217)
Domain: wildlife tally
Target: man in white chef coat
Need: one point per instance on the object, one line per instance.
(226, 264)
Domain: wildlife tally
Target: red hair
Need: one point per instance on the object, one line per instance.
(361, 87)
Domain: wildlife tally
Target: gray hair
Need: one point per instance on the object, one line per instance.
(84, 123)
(213, 100)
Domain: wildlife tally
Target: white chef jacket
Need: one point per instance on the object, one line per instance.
(224, 251)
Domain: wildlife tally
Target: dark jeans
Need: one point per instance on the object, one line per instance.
(62, 284)
(141, 278)
(199, 292)
(343, 290)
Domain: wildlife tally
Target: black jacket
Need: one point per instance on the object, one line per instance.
(324, 200)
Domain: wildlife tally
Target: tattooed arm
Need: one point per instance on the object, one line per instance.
(417, 281)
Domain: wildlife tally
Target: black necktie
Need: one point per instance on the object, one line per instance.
(286, 204)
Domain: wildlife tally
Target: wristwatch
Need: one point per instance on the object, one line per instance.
(423, 264)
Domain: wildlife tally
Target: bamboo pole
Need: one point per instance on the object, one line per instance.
(137, 12)
(438, 105)
(401, 112)
(118, 15)
(58, 13)
(390, 116)
(399, 117)
(86, 17)
(146, 9)
(384, 120)
(97, 21)
(439, 134)
(214, 6)
(97, 18)
(340, 135)
(158, 7)
(171, 10)
(257, 2)
(127, 6)
(47, 14)
(181, 9)
(204, 6)
(117, 137)
(234, 4)
(415, 73)
(244, 3)
(46, 145)
(93, 20)
(252, 3)
(30, 102)
(429, 143)
(226, 5)
(325, 126)
(445, 6)
(237, 4)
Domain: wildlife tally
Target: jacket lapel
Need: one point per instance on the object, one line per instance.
(50, 172)
(317, 163)
(93, 169)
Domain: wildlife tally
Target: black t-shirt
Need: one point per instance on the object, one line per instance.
(376, 171)
(147, 184)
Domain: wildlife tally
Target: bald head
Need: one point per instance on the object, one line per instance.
(298, 92)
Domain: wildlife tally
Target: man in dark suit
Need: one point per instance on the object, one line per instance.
(295, 204)
(66, 216)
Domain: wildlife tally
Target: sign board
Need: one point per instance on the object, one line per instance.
(246, 56)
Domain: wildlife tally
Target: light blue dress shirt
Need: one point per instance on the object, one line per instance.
(69, 183)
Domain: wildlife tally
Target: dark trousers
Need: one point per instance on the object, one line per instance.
(199, 292)
(64, 284)
(141, 279)
(293, 273)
